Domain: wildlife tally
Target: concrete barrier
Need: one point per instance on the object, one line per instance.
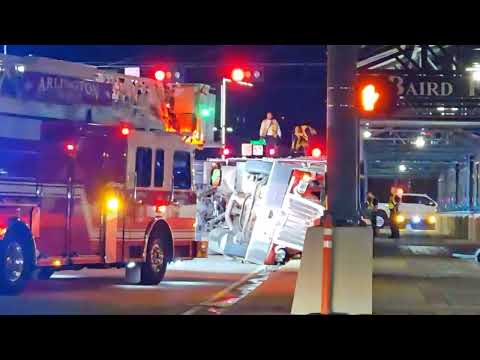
(352, 272)
(459, 226)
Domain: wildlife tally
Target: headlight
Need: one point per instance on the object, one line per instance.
(432, 219)
(400, 219)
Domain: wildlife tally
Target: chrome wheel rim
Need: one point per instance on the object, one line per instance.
(157, 258)
(380, 221)
(14, 262)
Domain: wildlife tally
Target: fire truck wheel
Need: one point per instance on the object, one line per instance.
(153, 270)
(15, 265)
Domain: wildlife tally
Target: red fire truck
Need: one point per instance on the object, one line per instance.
(95, 171)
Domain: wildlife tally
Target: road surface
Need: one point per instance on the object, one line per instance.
(419, 275)
(416, 275)
(186, 286)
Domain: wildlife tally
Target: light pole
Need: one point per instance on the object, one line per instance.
(223, 106)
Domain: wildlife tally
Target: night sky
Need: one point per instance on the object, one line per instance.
(298, 94)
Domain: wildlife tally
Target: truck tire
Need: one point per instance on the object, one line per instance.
(155, 266)
(382, 219)
(15, 265)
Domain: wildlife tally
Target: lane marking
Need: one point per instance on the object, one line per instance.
(225, 291)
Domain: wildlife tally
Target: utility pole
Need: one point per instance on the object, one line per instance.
(342, 135)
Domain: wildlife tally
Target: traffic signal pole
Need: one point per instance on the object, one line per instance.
(223, 111)
(342, 135)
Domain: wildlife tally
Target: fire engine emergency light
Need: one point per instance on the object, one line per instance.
(113, 204)
(257, 150)
(316, 152)
(247, 150)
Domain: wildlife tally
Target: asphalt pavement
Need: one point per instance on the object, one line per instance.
(417, 274)
(104, 292)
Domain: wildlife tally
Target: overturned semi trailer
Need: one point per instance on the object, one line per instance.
(259, 209)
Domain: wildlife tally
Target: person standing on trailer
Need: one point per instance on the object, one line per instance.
(270, 131)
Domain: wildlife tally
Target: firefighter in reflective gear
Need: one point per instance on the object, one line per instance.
(301, 137)
(394, 210)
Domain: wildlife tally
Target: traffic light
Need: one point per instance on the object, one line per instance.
(375, 96)
(249, 74)
(166, 74)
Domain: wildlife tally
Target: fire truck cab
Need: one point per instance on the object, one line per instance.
(97, 191)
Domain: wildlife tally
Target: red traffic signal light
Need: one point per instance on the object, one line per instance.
(166, 74)
(238, 75)
(160, 75)
(226, 152)
(246, 74)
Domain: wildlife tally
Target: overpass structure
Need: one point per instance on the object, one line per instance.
(437, 98)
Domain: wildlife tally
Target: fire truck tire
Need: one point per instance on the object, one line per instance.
(16, 263)
(153, 270)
